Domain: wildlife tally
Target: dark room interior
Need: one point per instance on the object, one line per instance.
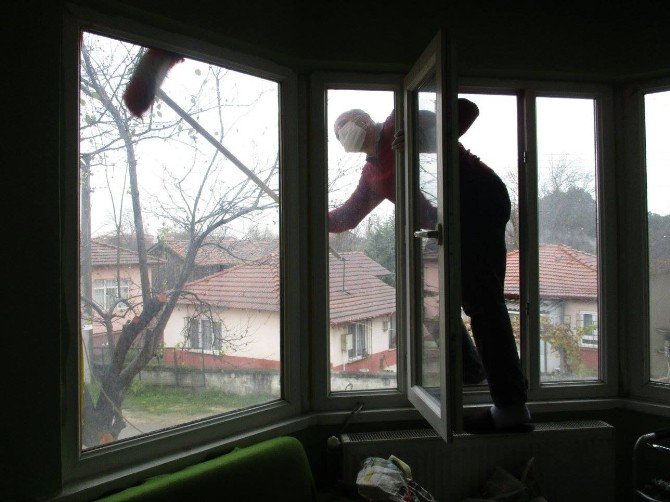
(614, 54)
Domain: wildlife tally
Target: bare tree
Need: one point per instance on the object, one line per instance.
(511, 179)
(567, 206)
(561, 174)
(195, 208)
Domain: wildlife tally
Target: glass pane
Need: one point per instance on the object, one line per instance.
(426, 200)
(193, 333)
(206, 329)
(568, 235)
(493, 138)
(657, 125)
(193, 241)
(361, 220)
(217, 336)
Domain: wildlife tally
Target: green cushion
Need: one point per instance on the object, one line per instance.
(276, 469)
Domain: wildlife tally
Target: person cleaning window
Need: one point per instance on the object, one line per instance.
(485, 210)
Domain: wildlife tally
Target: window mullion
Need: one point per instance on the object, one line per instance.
(528, 241)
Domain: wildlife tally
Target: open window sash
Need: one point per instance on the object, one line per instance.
(432, 232)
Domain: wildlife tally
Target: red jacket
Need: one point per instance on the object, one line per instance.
(377, 183)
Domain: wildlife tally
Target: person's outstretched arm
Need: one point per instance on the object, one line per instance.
(358, 206)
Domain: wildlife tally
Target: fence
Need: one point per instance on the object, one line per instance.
(242, 382)
(249, 381)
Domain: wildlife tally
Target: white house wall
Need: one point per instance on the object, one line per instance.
(380, 340)
(264, 328)
(337, 355)
(260, 328)
(575, 309)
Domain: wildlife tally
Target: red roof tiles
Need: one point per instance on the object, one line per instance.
(224, 252)
(356, 292)
(106, 255)
(564, 273)
(252, 286)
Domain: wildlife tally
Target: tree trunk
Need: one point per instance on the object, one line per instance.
(565, 365)
(86, 270)
(104, 421)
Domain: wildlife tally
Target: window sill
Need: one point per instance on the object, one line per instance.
(97, 486)
(651, 408)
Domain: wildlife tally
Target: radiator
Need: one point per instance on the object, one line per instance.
(574, 460)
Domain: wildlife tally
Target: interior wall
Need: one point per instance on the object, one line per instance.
(30, 153)
(585, 40)
(593, 41)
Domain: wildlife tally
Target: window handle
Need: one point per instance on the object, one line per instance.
(430, 234)
(427, 234)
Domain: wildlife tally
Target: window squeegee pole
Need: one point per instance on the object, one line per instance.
(227, 153)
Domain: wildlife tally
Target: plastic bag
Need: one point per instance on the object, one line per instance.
(382, 480)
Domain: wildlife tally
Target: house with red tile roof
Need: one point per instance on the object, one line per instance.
(110, 263)
(231, 319)
(362, 315)
(568, 295)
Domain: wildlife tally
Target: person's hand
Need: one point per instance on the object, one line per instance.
(399, 141)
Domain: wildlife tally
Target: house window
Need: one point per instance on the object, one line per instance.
(203, 334)
(588, 329)
(362, 235)
(358, 340)
(201, 167)
(657, 125)
(392, 332)
(106, 293)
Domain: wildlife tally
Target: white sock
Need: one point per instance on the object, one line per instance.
(509, 416)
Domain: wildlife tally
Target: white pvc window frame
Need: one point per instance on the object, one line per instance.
(322, 399)
(635, 231)
(208, 435)
(526, 93)
(304, 304)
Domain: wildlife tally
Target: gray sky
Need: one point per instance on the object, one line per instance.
(657, 120)
(250, 122)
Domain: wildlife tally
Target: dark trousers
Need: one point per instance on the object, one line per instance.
(485, 210)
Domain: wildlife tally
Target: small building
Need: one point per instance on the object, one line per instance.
(231, 318)
(568, 296)
(115, 275)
